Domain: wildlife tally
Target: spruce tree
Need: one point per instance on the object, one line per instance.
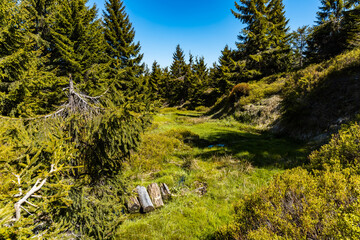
(263, 43)
(200, 70)
(77, 45)
(329, 36)
(155, 80)
(178, 66)
(280, 56)
(299, 44)
(123, 53)
(224, 76)
(352, 27)
(16, 54)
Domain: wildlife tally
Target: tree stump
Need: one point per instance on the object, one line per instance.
(155, 195)
(145, 200)
(133, 205)
(165, 192)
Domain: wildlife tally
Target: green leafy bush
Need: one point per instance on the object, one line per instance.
(299, 205)
(342, 152)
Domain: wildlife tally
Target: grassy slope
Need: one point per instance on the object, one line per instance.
(323, 96)
(304, 104)
(247, 162)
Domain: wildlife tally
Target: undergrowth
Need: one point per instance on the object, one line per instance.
(320, 202)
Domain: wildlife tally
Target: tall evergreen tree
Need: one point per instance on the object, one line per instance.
(155, 80)
(299, 44)
(123, 52)
(329, 37)
(119, 37)
(280, 58)
(263, 43)
(352, 27)
(200, 70)
(41, 12)
(16, 54)
(223, 73)
(77, 44)
(178, 66)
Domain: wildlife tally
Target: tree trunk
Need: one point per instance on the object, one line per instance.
(133, 205)
(165, 192)
(155, 195)
(145, 200)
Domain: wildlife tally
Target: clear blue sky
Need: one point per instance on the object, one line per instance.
(202, 27)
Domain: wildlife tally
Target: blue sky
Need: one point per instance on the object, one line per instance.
(202, 27)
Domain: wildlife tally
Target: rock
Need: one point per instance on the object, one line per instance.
(133, 205)
(145, 200)
(201, 188)
(165, 192)
(155, 195)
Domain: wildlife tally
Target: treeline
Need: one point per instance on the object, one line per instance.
(265, 47)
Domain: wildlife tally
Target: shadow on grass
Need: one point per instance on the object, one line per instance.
(262, 150)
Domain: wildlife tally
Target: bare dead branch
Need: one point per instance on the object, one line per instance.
(37, 186)
(19, 183)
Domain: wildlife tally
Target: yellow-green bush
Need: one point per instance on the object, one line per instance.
(342, 152)
(299, 205)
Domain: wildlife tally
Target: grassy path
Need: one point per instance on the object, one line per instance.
(189, 152)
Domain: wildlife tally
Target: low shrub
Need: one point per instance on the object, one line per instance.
(299, 205)
(342, 152)
(239, 90)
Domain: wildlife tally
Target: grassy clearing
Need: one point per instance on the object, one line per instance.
(188, 152)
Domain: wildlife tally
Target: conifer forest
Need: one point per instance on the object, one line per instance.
(96, 144)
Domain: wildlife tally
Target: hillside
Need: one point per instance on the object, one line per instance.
(311, 103)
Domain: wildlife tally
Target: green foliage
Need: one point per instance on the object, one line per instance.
(312, 95)
(264, 42)
(16, 53)
(176, 151)
(334, 31)
(298, 205)
(178, 67)
(96, 211)
(109, 140)
(299, 45)
(122, 52)
(76, 41)
(341, 153)
(34, 153)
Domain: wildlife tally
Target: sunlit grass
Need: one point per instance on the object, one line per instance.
(187, 151)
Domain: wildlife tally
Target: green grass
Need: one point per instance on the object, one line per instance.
(177, 150)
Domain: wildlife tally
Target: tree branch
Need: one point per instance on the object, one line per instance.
(37, 186)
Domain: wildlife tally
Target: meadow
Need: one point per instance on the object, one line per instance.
(209, 166)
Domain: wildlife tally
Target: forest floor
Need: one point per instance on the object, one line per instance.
(209, 165)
